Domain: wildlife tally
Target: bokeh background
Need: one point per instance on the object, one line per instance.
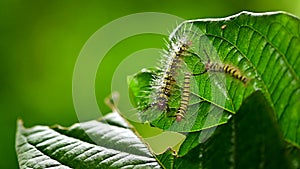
(41, 40)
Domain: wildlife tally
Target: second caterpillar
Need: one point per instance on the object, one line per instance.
(185, 98)
(225, 68)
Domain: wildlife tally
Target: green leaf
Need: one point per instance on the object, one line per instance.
(251, 139)
(92, 144)
(264, 47)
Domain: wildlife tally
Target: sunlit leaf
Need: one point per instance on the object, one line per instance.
(263, 47)
(92, 144)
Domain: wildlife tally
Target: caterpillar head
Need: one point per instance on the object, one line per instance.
(185, 42)
(208, 66)
(179, 118)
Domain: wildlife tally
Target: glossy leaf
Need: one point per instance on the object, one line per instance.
(264, 47)
(92, 144)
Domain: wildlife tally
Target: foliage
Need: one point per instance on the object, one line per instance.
(253, 126)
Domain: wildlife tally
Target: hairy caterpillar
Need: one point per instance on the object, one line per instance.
(226, 68)
(185, 97)
(163, 83)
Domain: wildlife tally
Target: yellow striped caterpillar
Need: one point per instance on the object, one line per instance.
(185, 97)
(225, 68)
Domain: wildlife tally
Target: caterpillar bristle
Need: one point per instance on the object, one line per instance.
(162, 84)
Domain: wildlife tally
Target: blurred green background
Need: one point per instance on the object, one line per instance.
(40, 41)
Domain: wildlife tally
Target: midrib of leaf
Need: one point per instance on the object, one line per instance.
(235, 108)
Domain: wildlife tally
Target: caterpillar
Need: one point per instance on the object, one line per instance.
(185, 97)
(164, 82)
(226, 68)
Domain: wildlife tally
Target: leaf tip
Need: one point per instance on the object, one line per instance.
(20, 123)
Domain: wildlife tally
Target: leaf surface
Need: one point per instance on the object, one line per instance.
(92, 144)
(264, 47)
(251, 139)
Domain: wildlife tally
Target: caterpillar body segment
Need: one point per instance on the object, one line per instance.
(185, 97)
